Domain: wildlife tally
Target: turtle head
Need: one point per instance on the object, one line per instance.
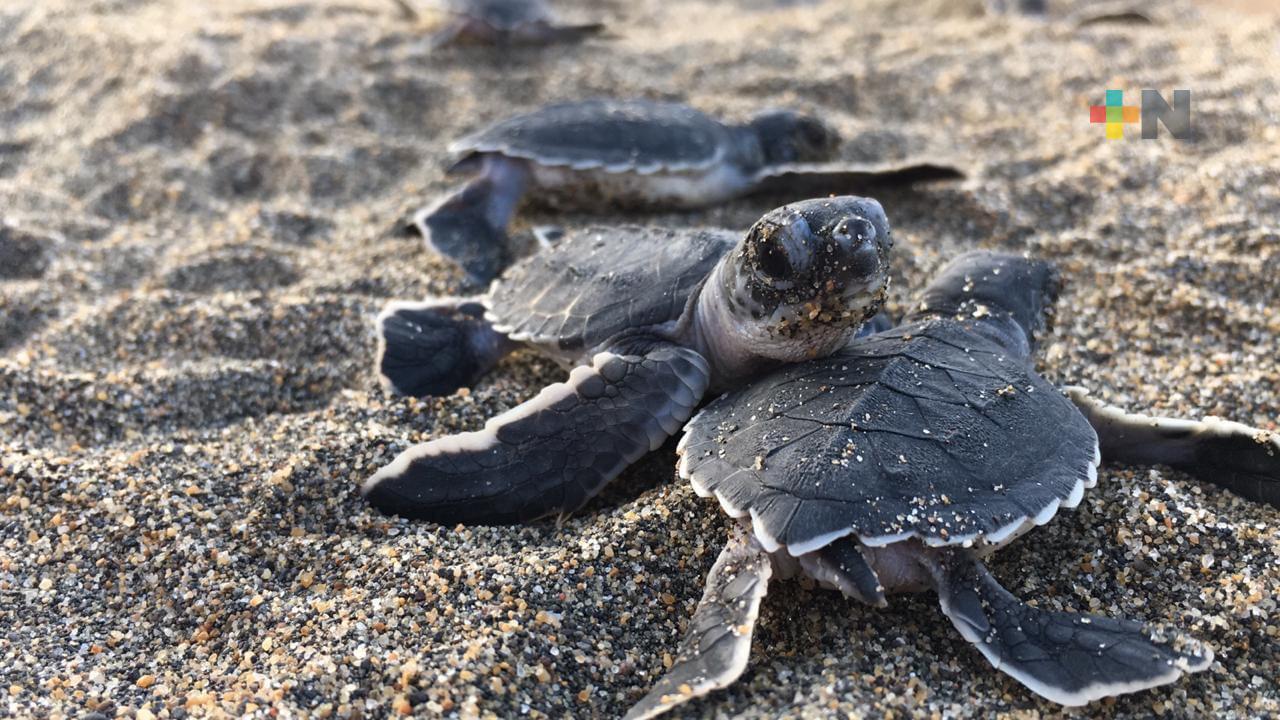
(807, 276)
(787, 136)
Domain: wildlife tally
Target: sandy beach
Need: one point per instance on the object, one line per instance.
(200, 213)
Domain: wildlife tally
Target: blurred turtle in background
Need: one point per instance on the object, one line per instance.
(1017, 7)
(635, 154)
(500, 22)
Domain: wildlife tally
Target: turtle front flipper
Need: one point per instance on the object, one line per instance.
(469, 226)
(718, 641)
(1067, 658)
(550, 454)
(1242, 459)
(437, 346)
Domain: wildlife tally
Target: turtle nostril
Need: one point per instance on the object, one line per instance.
(855, 231)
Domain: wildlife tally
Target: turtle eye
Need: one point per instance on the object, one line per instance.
(772, 258)
(778, 247)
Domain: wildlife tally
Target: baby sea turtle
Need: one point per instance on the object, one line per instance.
(635, 153)
(653, 324)
(500, 22)
(897, 463)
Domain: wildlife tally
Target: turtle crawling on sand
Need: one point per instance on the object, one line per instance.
(629, 153)
(897, 463)
(500, 22)
(653, 325)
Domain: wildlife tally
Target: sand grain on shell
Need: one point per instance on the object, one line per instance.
(197, 205)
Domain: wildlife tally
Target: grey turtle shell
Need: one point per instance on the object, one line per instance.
(598, 282)
(927, 430)
(617, 135)
(503, 15)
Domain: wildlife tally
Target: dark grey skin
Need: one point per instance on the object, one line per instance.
(500, 23)
(899, 462)
(627, 154)
(650, 333)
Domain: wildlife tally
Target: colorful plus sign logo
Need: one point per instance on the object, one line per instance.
(1115, 114)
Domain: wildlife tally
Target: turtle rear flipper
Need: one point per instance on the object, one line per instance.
(553, 453)
(843, 566)
(438, 346)
(1067, 658)
(822, 178)
(469, 226)
(717, 643)
(1242, 459)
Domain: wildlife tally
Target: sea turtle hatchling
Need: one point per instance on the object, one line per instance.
(631, 153)
(898, 462)
(500, 22)
(653, 324)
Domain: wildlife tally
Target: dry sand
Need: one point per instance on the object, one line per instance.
(197, 206)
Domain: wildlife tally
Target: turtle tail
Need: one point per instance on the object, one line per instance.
(469, 225)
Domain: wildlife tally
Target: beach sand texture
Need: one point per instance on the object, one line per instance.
(198, 215)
